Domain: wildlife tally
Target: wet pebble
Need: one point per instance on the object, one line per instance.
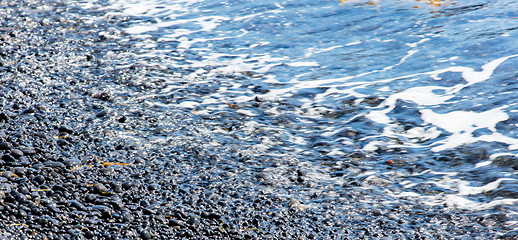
(5, 146)
(100, 188)
(77, 205)
(40, 179)
(16, 153)
(126, 185)
(71, 162)
(65, 129)
(153, 187)
(8, 158)
(54, 165)
(145, 234)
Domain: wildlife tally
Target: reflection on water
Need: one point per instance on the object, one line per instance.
(423, 99)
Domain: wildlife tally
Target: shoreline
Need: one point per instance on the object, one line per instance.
(82, 156)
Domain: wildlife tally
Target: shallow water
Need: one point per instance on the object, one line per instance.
(418, 103)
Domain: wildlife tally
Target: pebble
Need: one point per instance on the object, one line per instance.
(65, 129)
(8, 158)
(8, 174)
(5, 146)
(77, 205)
(3, 117)
(145, 234)
(16, 153)
(153, 187)
(127, 185)
(40, 179)
(69, 163)
(54, 165)
(175, 223)
(100, 188)
(43, 192)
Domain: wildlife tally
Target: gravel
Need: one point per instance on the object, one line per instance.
(78, 162)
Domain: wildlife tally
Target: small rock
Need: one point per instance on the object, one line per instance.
(3, 117)
(8, 174)
(77, 205)
(65, 129)
(8, 158)
(20, 171)
(71, 163)
(89, 234)
(100, 189)
(175, 223)
(123, 119)
(117, 187)
(101, 114)
(5, 146)
(127, 185)
(36, 211)
(109, 170)
(145, 234)
(193, 221)
(28, 151)
(54, 165)
(40, 179)
(16, 153)
(127, 217)
(29, 110)
(214, 215)
(153, 187)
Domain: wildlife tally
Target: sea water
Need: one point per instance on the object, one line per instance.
(422, 98)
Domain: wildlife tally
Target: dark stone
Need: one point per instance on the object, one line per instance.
(100, 188)
(21, 198)
(193, 221)
(175, 223)
(506, 161)
(109, 170)
(28, 151)
(8, 174)
(145, 234)
(105, 96)
(36, 211)
(20, 171)
(127, 217)
(101, 114)
(71, 163)
(117, 187)
(77, 205)
(65, 129)
(127, 185)
(3, 117)
(16, 153)
(116, 203)
(153, 187)
(54, 165)
(53, 209)
(22, 213)
(5, 146)
(89, 234)
(90, 198)
(8, 158)
(214, 215)
(29, 110)
(40, 179)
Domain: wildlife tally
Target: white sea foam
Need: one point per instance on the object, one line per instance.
(309, 75)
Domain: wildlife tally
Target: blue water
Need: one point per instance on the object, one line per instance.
(313, 83)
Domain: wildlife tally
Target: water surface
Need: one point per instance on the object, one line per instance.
(420, 101)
